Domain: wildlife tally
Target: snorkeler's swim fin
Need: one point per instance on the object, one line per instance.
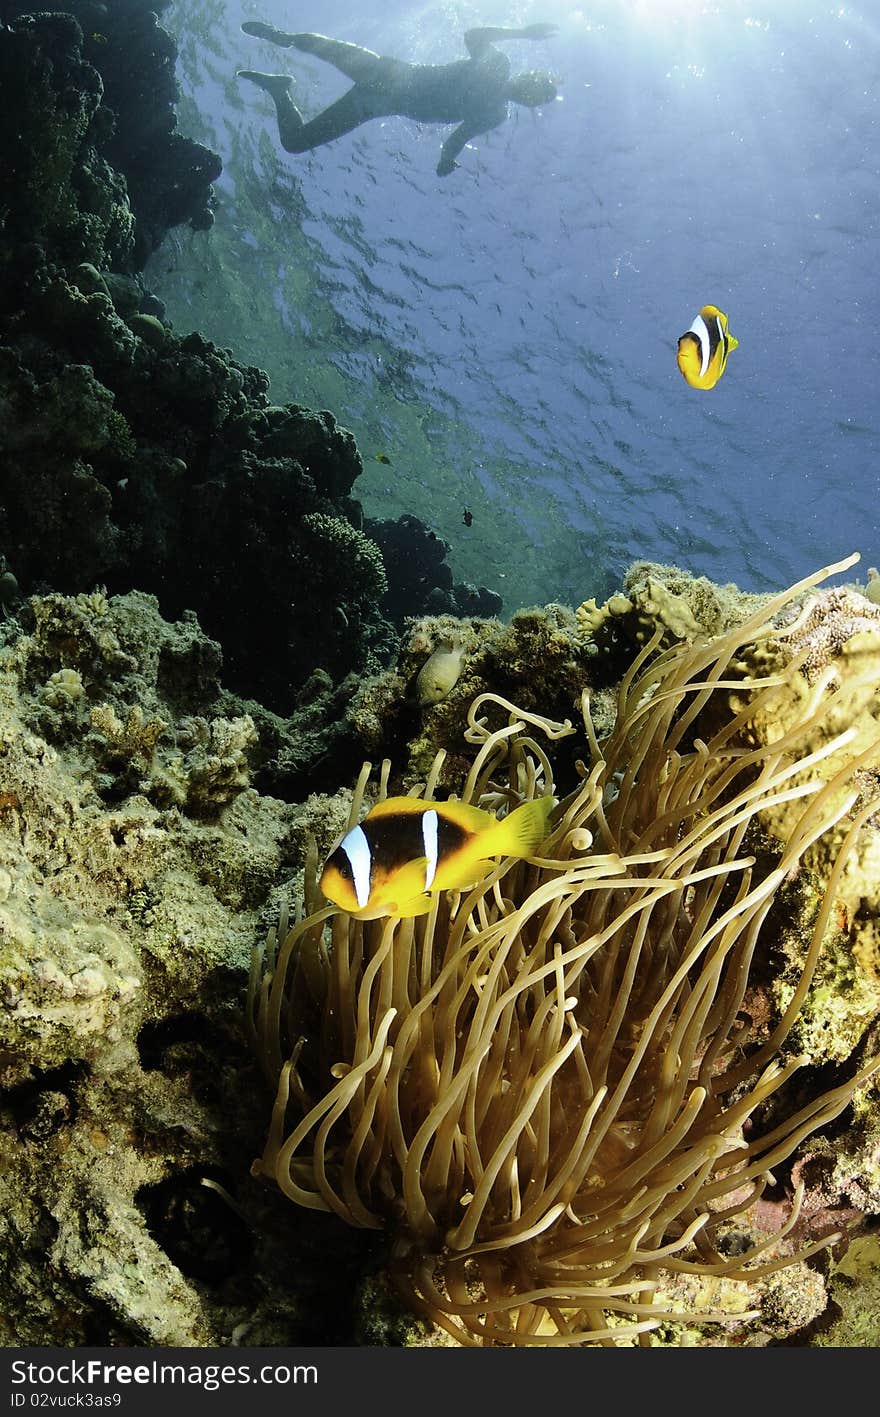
(260, 30)
(271, 83)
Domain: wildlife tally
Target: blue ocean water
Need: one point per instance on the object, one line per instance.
(506, 336)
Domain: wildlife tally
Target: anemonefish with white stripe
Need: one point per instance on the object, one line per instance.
(704, 348)
(408, 848)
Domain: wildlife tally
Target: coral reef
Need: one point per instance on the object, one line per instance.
(855, 1298)
(135, 861)
(419, 580)
(137, 865)
(685, 606)
(536, 659)
(833, 639)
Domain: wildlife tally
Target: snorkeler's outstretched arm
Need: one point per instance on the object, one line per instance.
(454, 144)
(478, 41)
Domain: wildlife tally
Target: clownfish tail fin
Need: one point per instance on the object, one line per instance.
(521, 833)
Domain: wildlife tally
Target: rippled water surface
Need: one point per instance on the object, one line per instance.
(506, 336)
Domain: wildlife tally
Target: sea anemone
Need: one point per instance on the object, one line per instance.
(548, 1091)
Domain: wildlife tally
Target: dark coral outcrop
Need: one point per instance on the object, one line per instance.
(95, 86)
(137, 459)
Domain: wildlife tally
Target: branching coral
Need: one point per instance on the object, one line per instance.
(547, 1090)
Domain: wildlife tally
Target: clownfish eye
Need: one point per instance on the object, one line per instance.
(340, 861)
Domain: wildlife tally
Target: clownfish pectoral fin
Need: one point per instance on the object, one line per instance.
(520, 833)
(461, 874)
(689, 359)
(419, 905)
(402, 883)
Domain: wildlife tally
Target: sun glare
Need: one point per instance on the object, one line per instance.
(663, 11)
(646, 13)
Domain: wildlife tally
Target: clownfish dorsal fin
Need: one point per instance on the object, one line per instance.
(399, 806)
(464, 814)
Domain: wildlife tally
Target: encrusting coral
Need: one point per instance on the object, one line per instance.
(683, 605)
(835, 639)
(552, 1091)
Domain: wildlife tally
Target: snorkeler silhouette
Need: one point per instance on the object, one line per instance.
(473, 92)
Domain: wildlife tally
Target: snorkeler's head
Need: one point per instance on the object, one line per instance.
(532, 88)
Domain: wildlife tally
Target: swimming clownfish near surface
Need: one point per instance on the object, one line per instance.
(704, 348)
(408, 848)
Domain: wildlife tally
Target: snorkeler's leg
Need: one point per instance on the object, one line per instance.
(290, 121)
(346, 114)
(350, 59)
(297, 136)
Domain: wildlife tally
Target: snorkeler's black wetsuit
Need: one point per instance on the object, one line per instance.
(472, 92)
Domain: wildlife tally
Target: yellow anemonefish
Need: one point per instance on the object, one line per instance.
(408, 848)
(703, 349)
